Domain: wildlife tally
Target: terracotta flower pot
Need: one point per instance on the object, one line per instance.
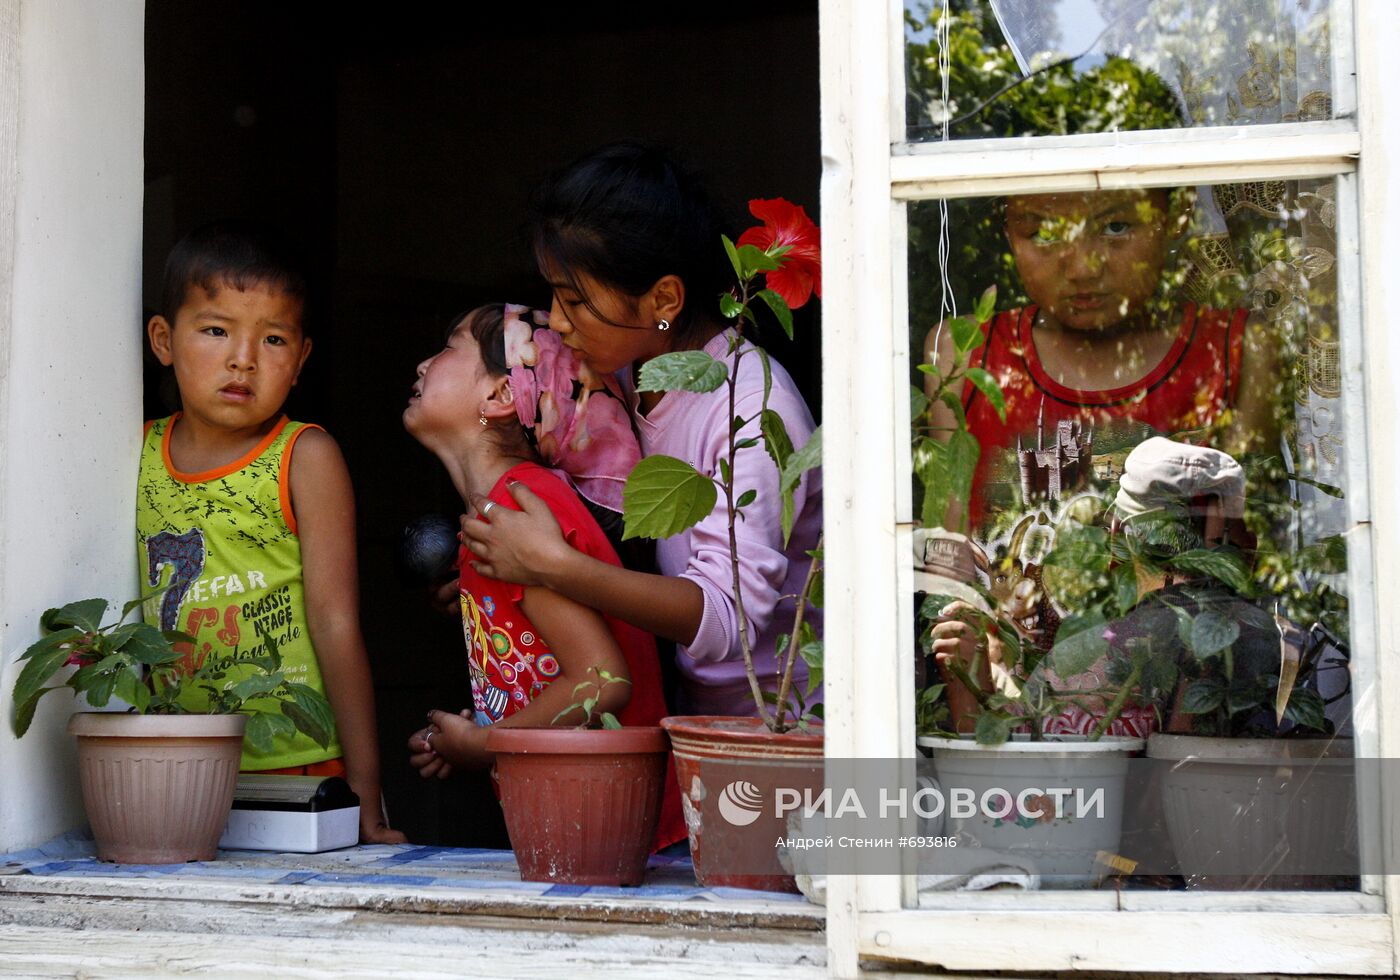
(729, 770)
(157, 788)
(581, 805)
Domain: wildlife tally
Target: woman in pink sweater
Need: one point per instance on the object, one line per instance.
(630, 245)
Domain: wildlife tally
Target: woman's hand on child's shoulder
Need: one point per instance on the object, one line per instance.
(522, 546)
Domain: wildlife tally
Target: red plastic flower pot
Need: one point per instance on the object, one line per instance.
(729, 771)
(581, 805)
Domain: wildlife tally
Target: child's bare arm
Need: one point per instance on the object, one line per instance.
(526, 546)
(1254, 424)
(580, 639)
(938, 350)
(324, 505)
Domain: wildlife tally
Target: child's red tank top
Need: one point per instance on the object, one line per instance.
(1057, 439)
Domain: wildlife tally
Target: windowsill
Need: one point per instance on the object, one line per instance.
(405, 879)
(391, 911)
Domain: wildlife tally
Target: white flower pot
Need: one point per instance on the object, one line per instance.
(1062, 838)
(1236, 819)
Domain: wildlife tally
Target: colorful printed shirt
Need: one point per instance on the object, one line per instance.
(223, 545)
(510, 664)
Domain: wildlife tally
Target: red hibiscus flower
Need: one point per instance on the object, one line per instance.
(787, 224)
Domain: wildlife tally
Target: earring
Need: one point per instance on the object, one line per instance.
(482, 419)
(664, 325)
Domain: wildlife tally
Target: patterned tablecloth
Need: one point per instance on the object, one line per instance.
(668, 877)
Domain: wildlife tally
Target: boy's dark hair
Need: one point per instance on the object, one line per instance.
(427, 551)
(241, 254)
(628, 214)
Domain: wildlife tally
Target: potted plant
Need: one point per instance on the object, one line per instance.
(1257, 788)
(581, 804)
(986, 726)
(1176, 623)
(158, 782)
(718, 759)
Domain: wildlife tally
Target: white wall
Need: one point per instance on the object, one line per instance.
(72, 115)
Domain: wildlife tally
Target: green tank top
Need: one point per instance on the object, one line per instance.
(225, 543)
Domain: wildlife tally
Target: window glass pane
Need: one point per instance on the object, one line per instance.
(1131, 498)
(1067, 67)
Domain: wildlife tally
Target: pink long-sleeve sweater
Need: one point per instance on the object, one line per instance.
(694, 427)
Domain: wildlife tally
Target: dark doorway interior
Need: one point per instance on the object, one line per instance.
(401, 147)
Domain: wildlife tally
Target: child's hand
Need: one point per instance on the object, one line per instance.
(374, 829)
(957, 635)
(446, 596)
(448, 741)
(423, 756)
(960, 631)
(515, 546)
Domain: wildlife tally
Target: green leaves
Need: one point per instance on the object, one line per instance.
(309, 711)
(1218, 563)
(994, 727)
(127, 659)
(918, 402)
(813, 654)
(946, 471)
(30, 685)
(1203, 696)
(990, 389)
(50, 642)
(686, 370)
(1211, 633)
(588, 705)
(24, 711)
(663, 497)
(1079, 645)
(967, 334)
(132, 689)
(775, 437)
(986, 304)
(144, 643)
(1307, 710)
(780, 310)
(264, 726)
(733, 254)
(807, 458)
(85, 615)
(257, 685)
(749, 260)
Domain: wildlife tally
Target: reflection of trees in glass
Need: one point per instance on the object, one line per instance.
(1113, 96)
(1267, 245)
(989, 96)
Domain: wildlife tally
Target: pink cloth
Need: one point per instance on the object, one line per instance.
(694, 427)
(579, 421)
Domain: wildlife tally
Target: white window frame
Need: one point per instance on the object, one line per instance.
(868, 175)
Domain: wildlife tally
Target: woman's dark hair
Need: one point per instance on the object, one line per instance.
(628, 214)
(240, 253)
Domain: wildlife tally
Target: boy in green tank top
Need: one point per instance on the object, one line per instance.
(248, 537)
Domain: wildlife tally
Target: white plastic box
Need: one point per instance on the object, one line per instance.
(299, 814)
